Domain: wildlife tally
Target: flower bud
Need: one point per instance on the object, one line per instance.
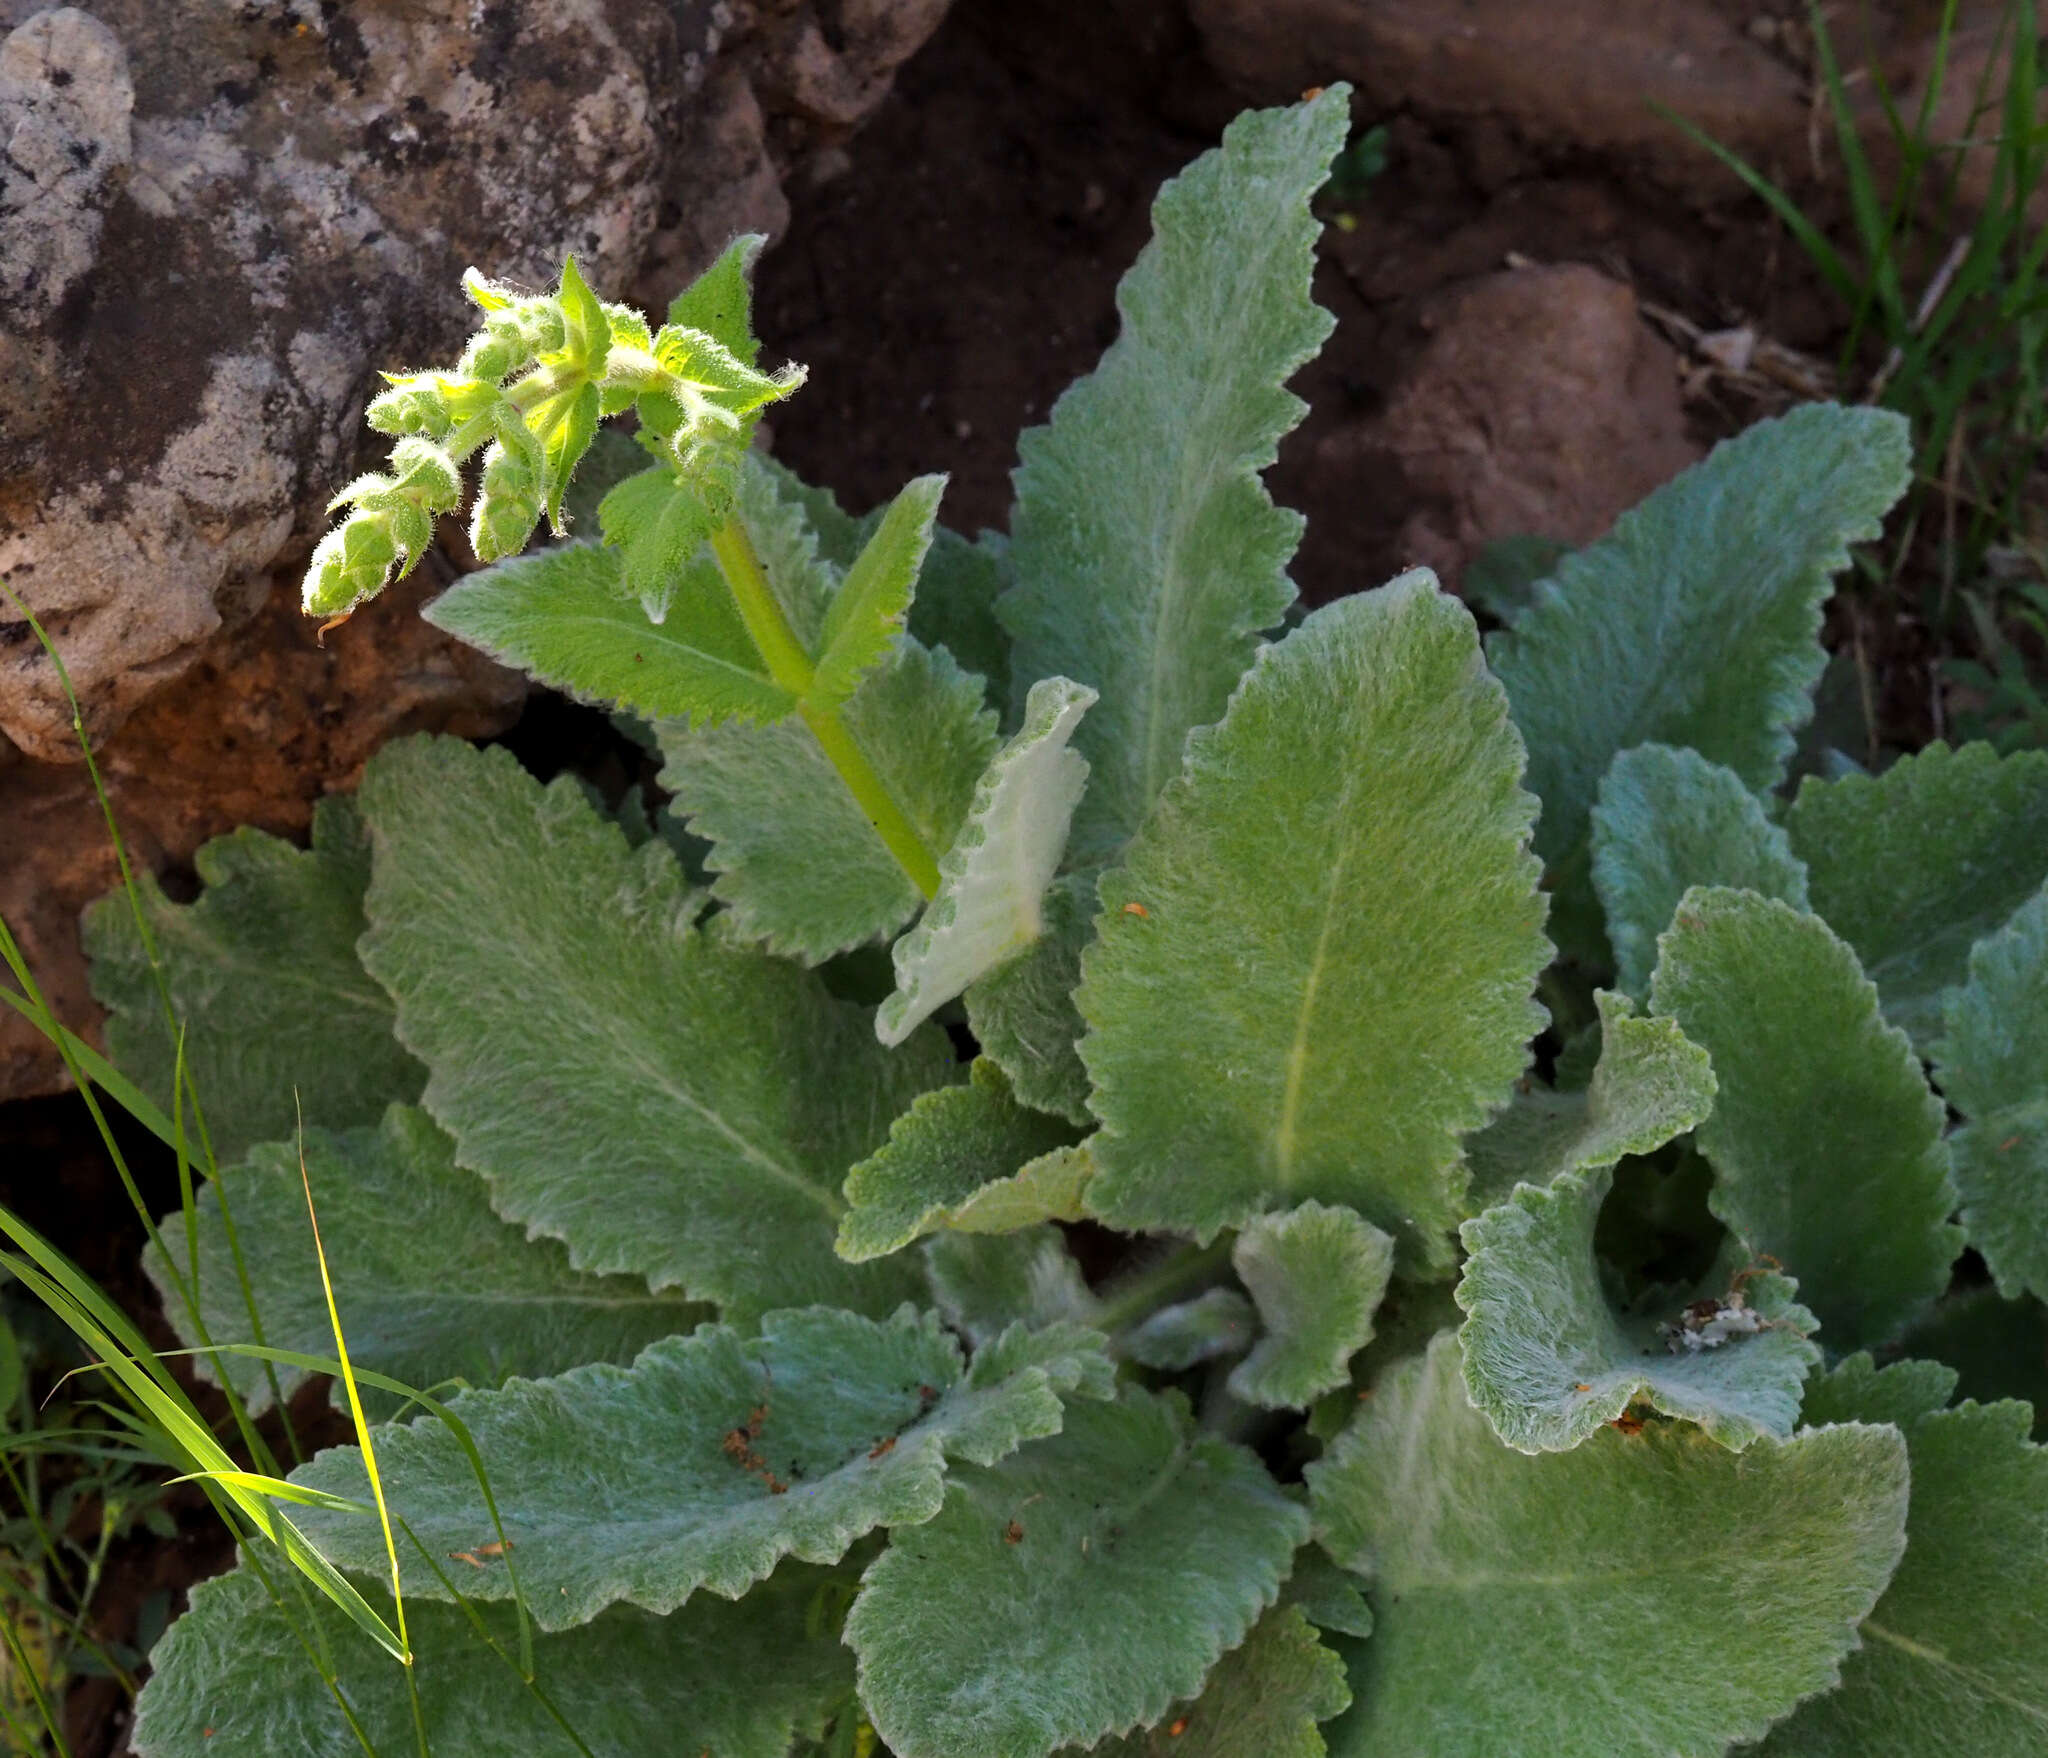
(352, 563)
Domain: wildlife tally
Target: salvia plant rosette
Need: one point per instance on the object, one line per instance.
(1478, 1374)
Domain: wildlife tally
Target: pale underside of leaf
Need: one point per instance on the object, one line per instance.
(234, 1679)
(1316, 1274)
(1023, 1013)
(564, 616)
(263, 977)
(1914, 866)
(1955, 1657)
(1075, 1590)
(1825, 1141)
(1651, 1084)
(940, 1155)
(648, 1483)
(1667, 820)
(1548, 1359)
(430, 1284)
(1327, 977)
(1053, 1187)
(1148, 556)
(1993, 1067)
(800, 866)
(990, 903)
(1696, 621)
(1265, 1698)
(662, 1102)
(1599, 1603)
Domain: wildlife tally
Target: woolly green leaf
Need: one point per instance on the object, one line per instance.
(1148, 556)
(1265, 1698)
(661, 1101)
(1023, 1014)
(563, 615)
(1695, 621)
(955, 606)
(1998, 1348)
(233, 1679)
(647, 1483)
(1667, 820)
(1858, 1390)
(1212, 1325)
(984, 1283)
(1341, 876)
(429, 1283)
(1077, 1589)
(1549, 1360)
(867, 612)
(1329, 1597)
(566, 425)
(1993, 1068)
(1053, 1187)
(1825, 1142)
(1503, 577)
(1316, 1275)
(799, 865)
(657, 525)
(262, 974)
(1914, 866)
(586, 331)
(1600, 1603)
(1651, 1083)
(940, 1153)
(720, 301)
(990, 904)
(1955, 1657)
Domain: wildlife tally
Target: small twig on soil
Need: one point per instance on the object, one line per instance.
(1936, 290)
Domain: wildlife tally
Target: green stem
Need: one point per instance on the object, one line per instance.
(1146, 1293)
(791, 669)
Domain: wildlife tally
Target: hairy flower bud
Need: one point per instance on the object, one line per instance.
(353, 563)
(509, 506)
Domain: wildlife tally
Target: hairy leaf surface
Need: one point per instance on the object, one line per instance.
(263, 975)
(1914, 866)
(940, 1153)
(867, 612)
(1548, 1359)
(955, 606)
(984, 1283)
(1600, 1603)
(1023, 1013)
(233, 1679)
(1667, 820)
(1327, 979)
(1214, 1324)
(799, 865)
(647, 1483)
(429, 1283)
(990, 902)
(562, 615)
(1825, 1142)
(1265, 1697)
(1696, 620)
(1651, 1083)
(1955, 1657)
(1053, 1187)
(1993, 1067)
(660, 1101)
(1077, 1589)
(1316, 1274)
(1148, 556)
